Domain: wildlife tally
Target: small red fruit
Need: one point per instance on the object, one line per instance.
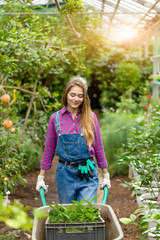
(13, 130)
(5, 98)
(7, 124)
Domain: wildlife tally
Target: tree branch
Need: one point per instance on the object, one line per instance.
(77, 34)
(29, 108)
(43, 104)
(3, 79)
(19, 88)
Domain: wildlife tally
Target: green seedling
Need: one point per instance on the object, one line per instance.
(78, 212)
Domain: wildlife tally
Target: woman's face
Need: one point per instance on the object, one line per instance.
(75, 98)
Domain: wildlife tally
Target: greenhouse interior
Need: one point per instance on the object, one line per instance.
(79, 119)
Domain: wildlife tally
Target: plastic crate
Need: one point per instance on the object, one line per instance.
(75, 231)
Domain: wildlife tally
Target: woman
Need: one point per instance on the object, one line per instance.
(74, 135)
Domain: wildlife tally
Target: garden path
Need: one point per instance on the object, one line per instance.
(120, 199)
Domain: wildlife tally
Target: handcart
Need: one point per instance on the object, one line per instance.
(113, 229)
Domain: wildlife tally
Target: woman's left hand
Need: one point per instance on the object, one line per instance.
(105, 182)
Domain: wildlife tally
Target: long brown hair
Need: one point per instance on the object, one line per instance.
(86, 116)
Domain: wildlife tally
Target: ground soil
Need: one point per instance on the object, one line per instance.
(120, 198)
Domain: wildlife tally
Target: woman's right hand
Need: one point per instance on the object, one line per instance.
(41, 183)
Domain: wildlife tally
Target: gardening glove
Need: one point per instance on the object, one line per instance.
(84, 169)
(41, 184)
(105, 182)
(90, 166)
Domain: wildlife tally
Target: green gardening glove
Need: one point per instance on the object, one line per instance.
(84, 169)
(90, 167)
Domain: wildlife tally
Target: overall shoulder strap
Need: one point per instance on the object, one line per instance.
(58, 126)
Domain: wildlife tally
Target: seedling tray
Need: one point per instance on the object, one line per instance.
(75, 231)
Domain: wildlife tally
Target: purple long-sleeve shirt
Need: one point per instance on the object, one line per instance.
(71, 126)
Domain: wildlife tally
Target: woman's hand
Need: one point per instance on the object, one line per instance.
(106, 181)
(41, 184)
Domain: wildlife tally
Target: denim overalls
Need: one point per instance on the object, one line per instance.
(73, 148)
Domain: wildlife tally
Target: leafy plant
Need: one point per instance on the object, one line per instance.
(31, 153)
(127, 76)
(11, 163)
(77, 212)
(110, 80)
(11, 235)
(141, 218)
(115, 129)
(127, 105)
(142, 154)
(15, 216)
(142, 151)
(71, 7)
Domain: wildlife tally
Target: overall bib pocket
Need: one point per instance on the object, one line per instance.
(71, 149)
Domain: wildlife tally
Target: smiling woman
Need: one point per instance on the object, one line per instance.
(74, 135)
(74, 99)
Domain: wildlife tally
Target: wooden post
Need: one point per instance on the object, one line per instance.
(155, 91)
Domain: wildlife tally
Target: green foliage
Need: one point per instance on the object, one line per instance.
(142, 150)
(71, 7)
(34, 41)
(32, 154)
(40, 213)
(39, 53)
(11, 162)
(11, 235)
(47, 51)
(127, 105)
(7, 65)
(145, 217)
(112, 87)
(127, 76)
(14, 215)
(75, 213)
(142, 154)
(115, 129)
